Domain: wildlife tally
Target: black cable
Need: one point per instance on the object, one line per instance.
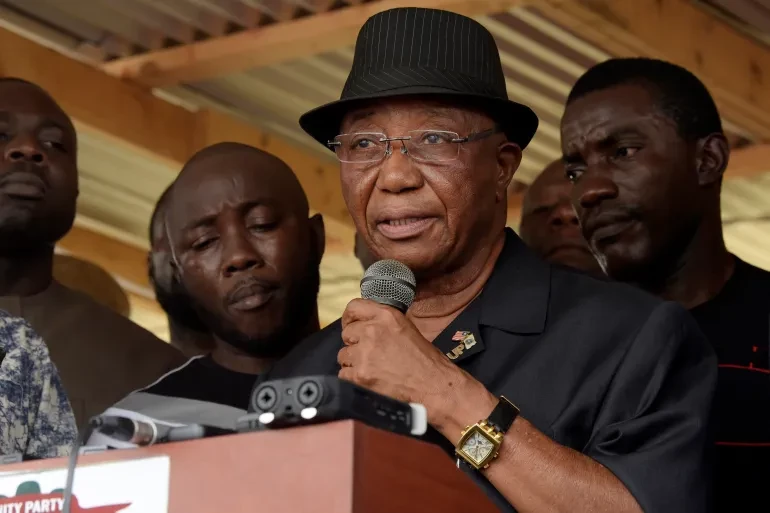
(92, 424)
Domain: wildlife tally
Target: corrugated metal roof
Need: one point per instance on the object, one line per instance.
(751, 16)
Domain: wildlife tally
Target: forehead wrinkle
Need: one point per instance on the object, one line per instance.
(600, 109)
(243, 175)
(424, 110)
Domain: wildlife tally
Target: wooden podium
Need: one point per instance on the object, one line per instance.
(339, 467)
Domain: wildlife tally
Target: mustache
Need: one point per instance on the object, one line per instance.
(248, 287)
(607, 215)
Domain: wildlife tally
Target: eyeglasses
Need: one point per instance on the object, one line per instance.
(423, 145)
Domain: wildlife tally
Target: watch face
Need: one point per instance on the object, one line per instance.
(478, 447)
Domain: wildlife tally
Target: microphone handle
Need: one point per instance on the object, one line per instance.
(129, 430)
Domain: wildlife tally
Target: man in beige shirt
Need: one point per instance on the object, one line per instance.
(101, 356)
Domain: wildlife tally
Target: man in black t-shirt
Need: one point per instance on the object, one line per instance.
(643, 144)
(247, 253)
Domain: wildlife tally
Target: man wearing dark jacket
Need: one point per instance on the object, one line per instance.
(554, 391)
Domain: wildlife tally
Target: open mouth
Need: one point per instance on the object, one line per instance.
(404, 228)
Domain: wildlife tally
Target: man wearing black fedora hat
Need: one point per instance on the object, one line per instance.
(553, 390)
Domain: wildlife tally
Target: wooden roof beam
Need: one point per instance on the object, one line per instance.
(276, 43)
(132, 116)
(749, 162)
(733, 66)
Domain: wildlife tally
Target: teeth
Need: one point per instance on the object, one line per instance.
(403, 222)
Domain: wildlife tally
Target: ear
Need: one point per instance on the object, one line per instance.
(318, 231)
(712, 154)
(508, 161)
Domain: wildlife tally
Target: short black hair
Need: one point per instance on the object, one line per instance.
(18, 80)
(679, 93)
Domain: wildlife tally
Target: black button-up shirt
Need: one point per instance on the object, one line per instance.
(600, 367)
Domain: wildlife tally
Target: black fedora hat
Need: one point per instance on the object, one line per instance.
(413, 51)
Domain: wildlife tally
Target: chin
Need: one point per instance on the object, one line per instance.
(626, 267)
(257, 331)
(582, 262)
(418, 255)
(419, 264)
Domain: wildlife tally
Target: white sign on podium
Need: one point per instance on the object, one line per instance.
(134, 486)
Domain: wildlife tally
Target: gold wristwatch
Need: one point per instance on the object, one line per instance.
(480, 443)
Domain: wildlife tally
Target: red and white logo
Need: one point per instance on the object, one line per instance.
(138, 486)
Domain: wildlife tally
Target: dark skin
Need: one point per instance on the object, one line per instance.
(549, 224)
(191, 342)
(452, 255)
(38, 186)
(247, 253)
(647, 198)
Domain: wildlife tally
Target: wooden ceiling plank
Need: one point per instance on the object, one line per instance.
(132, 116)
(732, 65)
(276, 43)
(749, 161)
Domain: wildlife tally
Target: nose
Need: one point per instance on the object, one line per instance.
(563, 216)
(592, 189)
(24, 149)
(239, 254)
(399, 172)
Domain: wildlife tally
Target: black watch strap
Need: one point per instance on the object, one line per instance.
(503, 415)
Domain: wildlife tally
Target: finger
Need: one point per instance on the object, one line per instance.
(345, 357)
(352, 333)
(348, 374)
(360, 310)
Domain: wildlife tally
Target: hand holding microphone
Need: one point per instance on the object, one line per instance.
(384, 351)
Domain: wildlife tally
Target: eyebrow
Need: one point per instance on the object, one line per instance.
(361, 115)
(572, 158)
(439, 113)
(210, 219)
(607, 138)
(47, 122)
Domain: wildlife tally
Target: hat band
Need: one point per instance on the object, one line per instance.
(369, 82)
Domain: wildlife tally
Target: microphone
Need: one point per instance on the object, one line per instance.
(138, 432)
(389, 282)
(147, 432)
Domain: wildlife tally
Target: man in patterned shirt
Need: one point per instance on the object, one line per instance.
(36, 419)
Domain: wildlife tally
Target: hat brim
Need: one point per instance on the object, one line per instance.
(517, 121)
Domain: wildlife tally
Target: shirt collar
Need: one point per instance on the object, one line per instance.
(514, 299)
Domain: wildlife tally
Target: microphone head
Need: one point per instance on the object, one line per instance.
(389, 282)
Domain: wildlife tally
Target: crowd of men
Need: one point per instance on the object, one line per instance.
(617, 348)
